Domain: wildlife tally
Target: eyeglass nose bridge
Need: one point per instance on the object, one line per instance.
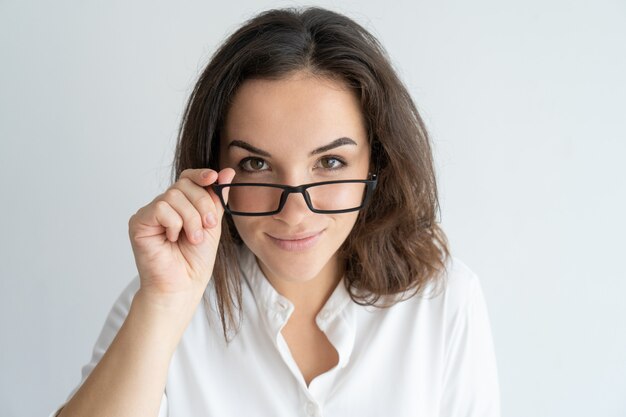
(297, 189)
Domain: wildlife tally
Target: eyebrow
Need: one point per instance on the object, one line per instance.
(332, 145)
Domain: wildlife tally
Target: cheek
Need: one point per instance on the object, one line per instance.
(344, 224)
(245, 226)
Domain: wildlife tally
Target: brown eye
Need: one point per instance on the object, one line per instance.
(253, 164)
(331, 162)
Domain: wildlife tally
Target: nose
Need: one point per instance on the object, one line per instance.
(294, 211)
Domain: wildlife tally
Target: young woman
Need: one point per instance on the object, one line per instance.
(295, 266)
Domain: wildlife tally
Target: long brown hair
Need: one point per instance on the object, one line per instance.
(396, 246)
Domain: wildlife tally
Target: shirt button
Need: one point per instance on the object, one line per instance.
(311, 409)
(325, 315)
(281, 305)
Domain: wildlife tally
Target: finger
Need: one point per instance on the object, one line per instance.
(167, 217)
(200, 199)
(192, 224)
(202, 176)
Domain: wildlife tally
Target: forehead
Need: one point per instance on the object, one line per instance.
(301, 109)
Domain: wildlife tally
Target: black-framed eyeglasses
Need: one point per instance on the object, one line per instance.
(259, 199)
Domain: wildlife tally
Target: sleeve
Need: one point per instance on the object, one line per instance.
(470, 378)
(113, 322)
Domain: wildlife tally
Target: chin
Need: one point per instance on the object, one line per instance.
(292, 267)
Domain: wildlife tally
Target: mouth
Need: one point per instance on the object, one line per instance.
(295, 243)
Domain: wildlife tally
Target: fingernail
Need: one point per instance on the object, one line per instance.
(210, 219)
(198, 236)
(205, 174)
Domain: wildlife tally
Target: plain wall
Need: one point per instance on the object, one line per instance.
(525, 104)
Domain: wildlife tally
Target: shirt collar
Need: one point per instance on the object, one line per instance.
(337, 319)
(276, 308)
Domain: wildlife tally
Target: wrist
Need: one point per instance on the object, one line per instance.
(170, 315)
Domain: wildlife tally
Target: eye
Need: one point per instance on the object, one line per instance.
(253, 164)
(331, 163)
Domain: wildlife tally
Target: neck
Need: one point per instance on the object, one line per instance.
(308, 297)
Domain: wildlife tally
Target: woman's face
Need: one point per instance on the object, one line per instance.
(296, 130)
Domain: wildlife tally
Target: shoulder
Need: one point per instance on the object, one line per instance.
(446, 297)
(454, 285)
(459, 282)
(450, 295)
(461, 290)
(462, 303)
(451, 285)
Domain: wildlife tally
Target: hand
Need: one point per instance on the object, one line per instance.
(175, 237)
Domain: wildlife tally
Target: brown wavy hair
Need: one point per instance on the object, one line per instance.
(396, 247)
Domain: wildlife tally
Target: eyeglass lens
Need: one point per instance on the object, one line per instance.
(260, 199)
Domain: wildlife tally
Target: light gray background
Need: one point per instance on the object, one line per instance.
(525, 102)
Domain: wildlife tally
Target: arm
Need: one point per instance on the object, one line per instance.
(174, 240)
(130, 378)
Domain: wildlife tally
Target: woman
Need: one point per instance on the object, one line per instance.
(295, 266)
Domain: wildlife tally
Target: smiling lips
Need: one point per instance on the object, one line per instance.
(294, 243)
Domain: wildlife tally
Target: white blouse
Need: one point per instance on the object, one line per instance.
(430, 355)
